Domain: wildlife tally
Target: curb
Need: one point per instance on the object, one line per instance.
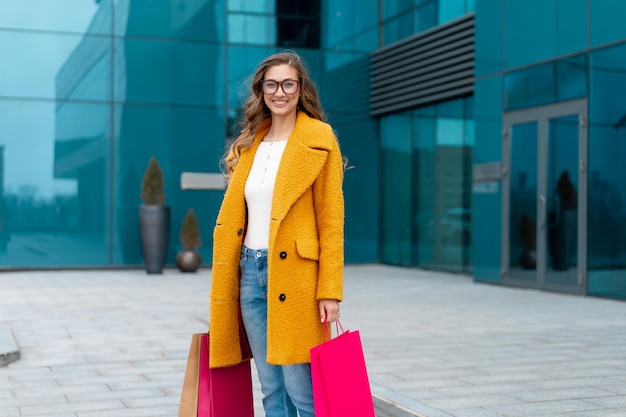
(9, 352)
(387, 408)
(388, 403)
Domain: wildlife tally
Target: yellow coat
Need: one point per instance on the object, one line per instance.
(305, 252)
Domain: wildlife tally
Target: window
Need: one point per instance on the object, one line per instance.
(298, 23)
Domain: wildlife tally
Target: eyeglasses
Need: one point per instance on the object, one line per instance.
(289, 86)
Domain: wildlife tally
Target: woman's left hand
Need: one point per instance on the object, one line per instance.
(329, 310)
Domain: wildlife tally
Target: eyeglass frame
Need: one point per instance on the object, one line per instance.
(280, 84)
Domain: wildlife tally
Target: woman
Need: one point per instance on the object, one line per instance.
(280, 229)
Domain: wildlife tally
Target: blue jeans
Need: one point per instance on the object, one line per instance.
(285, 388)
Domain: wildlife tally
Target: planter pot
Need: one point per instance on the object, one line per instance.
(188, 261)
(154, 225)
(528, 259)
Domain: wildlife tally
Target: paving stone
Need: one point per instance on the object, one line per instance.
(453, 403)
(9, 411)
(59, 398)
(621, 412)
(35, 410)
(475, 412)
(610, 402)
(160, 411)
(56, 389)
(437, 343)
(548, 408)
(561, 394)
(112, 395)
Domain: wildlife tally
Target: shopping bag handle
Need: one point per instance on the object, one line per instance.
(328, 329)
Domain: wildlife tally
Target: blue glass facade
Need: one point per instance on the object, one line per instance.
(426, 161)
(90, 90)
(527, 76)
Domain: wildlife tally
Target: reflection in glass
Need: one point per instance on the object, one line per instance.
(344, 91)
(298, 24)
(59, 15)
(198, 20)
(391, 8)
(396, 189)
(398, 28)
(607, 173)
(251, 6)
(168, 72)
(83, 109)
(529, 87)
(183, 139)
(55, 184)
(451, 9)
(553, 82)
(562, 202)
(252, 29)
(242, 61)
(426, 16)
(571, 77)
(39, 65)
(488, 38)
(442, 171)
(559, 29)
(606, 22)
(428, 182)
(523, 202)
(350, 25)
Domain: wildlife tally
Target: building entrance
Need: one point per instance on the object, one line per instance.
(544, 195)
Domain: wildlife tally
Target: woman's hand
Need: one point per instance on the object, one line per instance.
(329, 310)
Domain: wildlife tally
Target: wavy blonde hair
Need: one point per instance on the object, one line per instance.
(256, 111)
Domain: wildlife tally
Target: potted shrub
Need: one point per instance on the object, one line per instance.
(154, 219)
(188, 260)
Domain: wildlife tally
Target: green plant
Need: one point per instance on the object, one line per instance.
(153, 184)
(190, 231)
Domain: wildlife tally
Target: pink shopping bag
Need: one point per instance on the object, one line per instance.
(223, 392)
(218, 392)
(339, 375)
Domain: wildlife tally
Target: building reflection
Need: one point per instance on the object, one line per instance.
(104, 146)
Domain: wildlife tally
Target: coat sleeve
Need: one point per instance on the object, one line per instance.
(329, 212)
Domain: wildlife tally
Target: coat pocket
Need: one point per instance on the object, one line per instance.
(308, 248)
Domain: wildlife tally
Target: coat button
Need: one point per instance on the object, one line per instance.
(283, 255)
(240, 232)
(282, 297)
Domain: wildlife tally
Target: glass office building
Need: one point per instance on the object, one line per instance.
(478, 143)
(549, 200)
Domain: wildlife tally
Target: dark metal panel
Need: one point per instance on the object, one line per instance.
(435, 65)
(423, 38)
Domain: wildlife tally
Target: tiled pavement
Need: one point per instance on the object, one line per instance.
(114, 343)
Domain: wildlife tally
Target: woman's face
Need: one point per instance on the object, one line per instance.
(281, 78)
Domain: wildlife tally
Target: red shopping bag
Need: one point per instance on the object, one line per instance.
(217, 392)
(339, 375)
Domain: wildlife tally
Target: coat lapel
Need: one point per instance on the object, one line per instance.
(300, 165)
(234, 204)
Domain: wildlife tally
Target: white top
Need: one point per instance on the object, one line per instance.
(259, 191)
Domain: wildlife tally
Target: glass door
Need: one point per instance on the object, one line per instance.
(562, 187)
(544, 197)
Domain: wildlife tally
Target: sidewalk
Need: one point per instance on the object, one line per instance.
(114, 344)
